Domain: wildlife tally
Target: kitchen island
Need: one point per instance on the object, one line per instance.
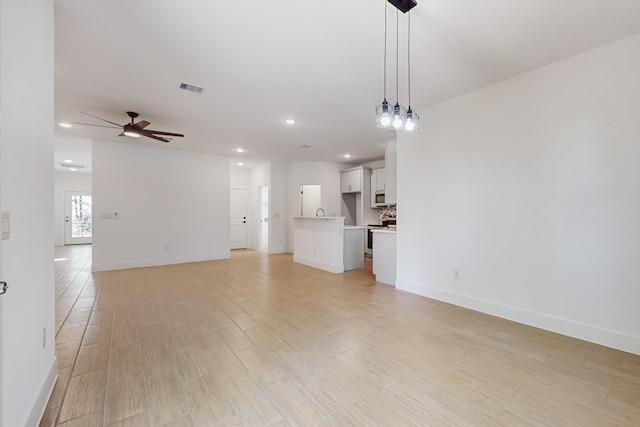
(326, 243)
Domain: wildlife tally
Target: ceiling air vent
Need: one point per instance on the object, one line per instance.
(191, 88)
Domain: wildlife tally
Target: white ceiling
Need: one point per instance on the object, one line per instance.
(319, 62)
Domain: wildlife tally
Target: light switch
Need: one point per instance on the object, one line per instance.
(5, 225)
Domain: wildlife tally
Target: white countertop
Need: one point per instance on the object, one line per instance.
(318, 217)
(355, 227)
(383, 230)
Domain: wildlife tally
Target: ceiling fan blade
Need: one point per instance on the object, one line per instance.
(100, 118)
(142, 124)
(157, 132)
(148, 135)
(101, 126)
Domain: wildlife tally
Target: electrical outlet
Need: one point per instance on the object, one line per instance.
(44, 337)
(456, 273)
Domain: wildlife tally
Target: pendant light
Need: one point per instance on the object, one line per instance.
(412, 121)
(399, 119)
(383, 116)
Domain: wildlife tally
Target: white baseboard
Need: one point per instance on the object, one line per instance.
(592, 333)
(333, 268)
(278, 250)
(43, 397)
(123, 265)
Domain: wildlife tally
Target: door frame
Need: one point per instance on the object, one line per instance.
(68, 240)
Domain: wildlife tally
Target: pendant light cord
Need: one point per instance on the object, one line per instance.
(409, 57)
(385, 50)
(397, 54)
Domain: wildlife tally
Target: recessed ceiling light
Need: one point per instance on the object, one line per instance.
(290, 121)
(240, 150)
(73, 169)
(240, 163)
(65, 125)
(346, 156)
(68, 161)
(71, 166)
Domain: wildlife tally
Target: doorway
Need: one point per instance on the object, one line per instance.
(310, 199)
(263, 243)
(78, 223)
(238, 210)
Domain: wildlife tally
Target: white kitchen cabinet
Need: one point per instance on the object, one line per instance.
(384, 256)
(377, 184)
(356, 196)
(351, 181)
(380, 179)
(354, 247)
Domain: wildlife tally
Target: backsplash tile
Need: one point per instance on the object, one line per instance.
(388, 213)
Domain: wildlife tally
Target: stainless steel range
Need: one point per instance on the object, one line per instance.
(385, 224)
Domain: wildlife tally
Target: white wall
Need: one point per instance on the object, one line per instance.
(531, 188)
(279, 198)
(326, 174)
(239, 177)
(66, 181)
(172, 206)
(28, 370)
(259, 176)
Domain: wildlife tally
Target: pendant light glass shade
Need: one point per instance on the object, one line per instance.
(383, 115)
(399, 117)
(412, 122)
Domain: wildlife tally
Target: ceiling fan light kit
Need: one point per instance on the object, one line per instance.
(134, 130)
(400, 119)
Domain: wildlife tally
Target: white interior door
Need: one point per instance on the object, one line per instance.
(78, 225)
(264, 217)
(1, 329)
(238, 210)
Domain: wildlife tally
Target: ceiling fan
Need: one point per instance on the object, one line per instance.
(134, 130)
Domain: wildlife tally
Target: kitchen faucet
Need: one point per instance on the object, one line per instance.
(318, 210)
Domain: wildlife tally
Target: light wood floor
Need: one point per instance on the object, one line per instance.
(260, 341)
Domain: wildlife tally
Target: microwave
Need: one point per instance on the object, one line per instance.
(380, 199)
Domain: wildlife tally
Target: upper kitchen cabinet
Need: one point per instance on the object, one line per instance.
(390, 156)
(351, 180)
(356, 190)
(377, 187)
(380, 180)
